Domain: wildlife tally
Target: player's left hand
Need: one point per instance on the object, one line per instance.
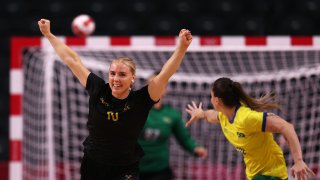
(185, 38)
(44, 26)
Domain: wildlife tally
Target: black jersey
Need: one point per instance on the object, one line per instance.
(115, 124)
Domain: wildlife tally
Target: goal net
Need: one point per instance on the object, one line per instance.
(55, 105)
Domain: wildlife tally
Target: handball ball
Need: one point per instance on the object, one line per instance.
(83, 25)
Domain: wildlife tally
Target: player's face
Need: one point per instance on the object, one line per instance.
(120, 80)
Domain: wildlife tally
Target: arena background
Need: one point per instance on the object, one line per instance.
(143, 17)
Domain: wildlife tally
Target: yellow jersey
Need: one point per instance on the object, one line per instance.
(246, 132)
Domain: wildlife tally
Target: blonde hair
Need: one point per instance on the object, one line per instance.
(128, 62)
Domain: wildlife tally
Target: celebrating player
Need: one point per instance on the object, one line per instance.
(117, 114)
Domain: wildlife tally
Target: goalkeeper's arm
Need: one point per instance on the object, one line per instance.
(67, 55)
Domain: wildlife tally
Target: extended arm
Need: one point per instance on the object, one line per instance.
(196, 113)
(276, 124)
(184, 138)
(67, 55)
(158, 84)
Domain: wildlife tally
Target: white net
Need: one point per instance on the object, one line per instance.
(56, 106)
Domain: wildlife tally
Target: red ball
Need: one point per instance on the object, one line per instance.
(83, 25)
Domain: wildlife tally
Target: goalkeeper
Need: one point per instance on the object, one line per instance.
(249, 129)
(163, 121)
(117, 114)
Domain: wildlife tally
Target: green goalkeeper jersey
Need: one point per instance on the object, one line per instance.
(154, 139)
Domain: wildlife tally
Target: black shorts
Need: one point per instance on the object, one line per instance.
(92, 170)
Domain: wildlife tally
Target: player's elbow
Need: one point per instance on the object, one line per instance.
(286, 127)
(71, 61)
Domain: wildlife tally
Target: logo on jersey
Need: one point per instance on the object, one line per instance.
(114, 116)
(151, 134)
(240, 135)
(104, 102)
(126, 107)
(167, 120)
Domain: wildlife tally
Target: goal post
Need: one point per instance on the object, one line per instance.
(48, 106)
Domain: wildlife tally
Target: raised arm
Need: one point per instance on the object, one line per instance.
(158, 84)
(67, 55)
(196, 113)
(276, 124)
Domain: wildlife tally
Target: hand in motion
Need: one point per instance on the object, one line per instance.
(185, 38)
(44, 26)
(195, 112)
(301, 170)
(201, 152)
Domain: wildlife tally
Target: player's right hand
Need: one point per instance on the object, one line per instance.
(196, 113)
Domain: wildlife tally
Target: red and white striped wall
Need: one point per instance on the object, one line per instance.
(198, 41)
(211, 42)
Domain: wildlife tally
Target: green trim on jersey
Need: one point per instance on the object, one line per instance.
(262, 177)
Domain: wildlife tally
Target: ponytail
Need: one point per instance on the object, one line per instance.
(266, 102)
(232, 94)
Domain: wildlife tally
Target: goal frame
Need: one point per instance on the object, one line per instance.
(210, 43)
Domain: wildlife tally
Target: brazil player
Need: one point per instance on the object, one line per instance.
(249, 129)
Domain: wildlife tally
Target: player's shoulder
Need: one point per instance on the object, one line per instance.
(141, 91)
(95, 83)
(94, 78)
(243, 113)
(245, 110)
(247, 115)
